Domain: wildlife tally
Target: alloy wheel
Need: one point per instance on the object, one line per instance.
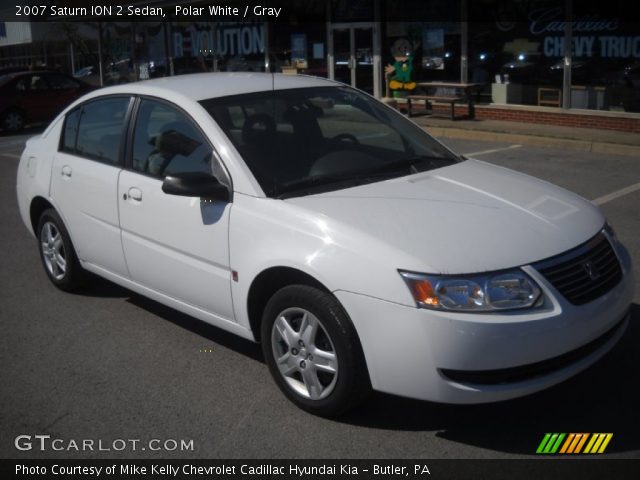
(304, 353)
(53, 253)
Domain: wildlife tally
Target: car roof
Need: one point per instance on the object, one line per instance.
(201, 86)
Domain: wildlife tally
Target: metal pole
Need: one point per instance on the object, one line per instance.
(73, 60)
(172, 51)
(100, 54)
(568, 33)
(167, 60)
(353, 61)
(330, 55)
(134, 56)
(216, 37)
(331, 66)
(265, 43)
(464, 35)
(377, 57)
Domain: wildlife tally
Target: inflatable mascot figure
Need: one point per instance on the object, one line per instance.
(400, 81)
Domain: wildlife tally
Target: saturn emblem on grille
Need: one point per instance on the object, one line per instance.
(591, 270)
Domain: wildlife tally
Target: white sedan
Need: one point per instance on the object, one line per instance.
(305, 215)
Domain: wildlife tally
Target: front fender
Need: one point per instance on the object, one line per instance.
(266, 233)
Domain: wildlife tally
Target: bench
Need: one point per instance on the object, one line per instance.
(434, 98)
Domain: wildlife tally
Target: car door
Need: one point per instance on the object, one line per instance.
(84, 180)
(177, 246)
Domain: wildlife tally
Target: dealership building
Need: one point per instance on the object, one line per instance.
(558, 62)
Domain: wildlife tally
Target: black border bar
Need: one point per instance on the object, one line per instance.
(316, 10)
(558, 467)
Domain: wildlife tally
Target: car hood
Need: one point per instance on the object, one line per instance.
(465, 218)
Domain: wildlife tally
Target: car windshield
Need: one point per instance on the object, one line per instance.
(310, 140)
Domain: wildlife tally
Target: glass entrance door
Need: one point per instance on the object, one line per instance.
(343, 57)
(353, 56)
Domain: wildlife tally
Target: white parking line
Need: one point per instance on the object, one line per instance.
(617, 194)
(484, 152)
(10, 155)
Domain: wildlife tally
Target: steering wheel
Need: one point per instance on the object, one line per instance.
(346, 137)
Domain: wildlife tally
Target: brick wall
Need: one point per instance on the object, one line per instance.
(550, 118)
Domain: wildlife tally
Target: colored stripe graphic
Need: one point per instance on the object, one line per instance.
(553, 443)
(598, 442)
(556, 445)
(581, 442)
(592, 440)
(567, 443)
(543, 443)
(608, 438)
(550, 443)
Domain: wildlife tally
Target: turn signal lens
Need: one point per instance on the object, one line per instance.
(423, 291)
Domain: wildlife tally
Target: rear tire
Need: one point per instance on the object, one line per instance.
(313, 351)
(12, 120)
(58, 256)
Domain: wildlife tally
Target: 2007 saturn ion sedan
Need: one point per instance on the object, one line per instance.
(310, 217)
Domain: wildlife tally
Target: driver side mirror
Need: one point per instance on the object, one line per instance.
(195, 184)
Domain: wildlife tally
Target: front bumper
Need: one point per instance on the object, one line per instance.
(412, 352)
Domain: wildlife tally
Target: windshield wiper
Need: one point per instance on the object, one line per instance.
(412, 163)
(301, 186)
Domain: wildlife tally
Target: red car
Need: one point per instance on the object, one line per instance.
(36, 96)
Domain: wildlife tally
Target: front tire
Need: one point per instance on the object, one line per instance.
(313, 351)
(57, 253)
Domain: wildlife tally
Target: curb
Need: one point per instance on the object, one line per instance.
(581, 145)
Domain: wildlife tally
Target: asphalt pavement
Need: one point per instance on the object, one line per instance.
(107, 364)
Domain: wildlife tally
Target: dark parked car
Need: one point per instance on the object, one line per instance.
(23, 68)
(36, 96)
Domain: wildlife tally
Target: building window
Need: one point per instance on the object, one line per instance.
(522, 62)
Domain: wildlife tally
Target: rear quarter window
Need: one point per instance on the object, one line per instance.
(70, 132)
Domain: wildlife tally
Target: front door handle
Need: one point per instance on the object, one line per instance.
(135, 194)
(66, 171)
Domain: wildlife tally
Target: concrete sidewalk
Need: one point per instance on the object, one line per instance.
(585, 139)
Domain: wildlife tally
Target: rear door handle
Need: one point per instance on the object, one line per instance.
(135, 194)
(66, 171)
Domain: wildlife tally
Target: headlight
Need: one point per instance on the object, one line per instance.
(502, 290)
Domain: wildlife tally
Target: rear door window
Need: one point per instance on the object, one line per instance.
(95, 130)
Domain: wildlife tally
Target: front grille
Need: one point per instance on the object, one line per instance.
(584, 273)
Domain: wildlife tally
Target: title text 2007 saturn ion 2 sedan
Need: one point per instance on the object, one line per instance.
(312, 218)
